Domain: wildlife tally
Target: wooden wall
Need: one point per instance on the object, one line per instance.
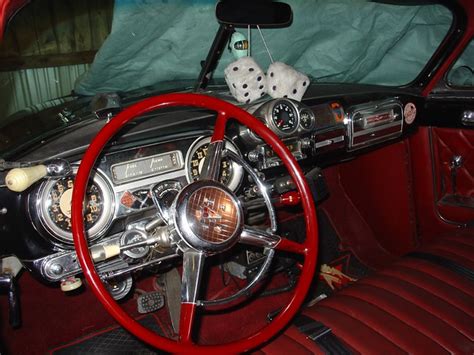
(51, 33)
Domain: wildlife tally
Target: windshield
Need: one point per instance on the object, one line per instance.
(330, 41)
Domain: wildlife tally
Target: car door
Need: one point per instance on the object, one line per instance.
(449, 122)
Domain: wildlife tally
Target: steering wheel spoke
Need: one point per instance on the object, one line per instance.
(193, 263)
(212, 162)
(260, 238)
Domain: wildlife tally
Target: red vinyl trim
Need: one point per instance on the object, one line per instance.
(427, 301)
(414, 306)
(385, 324)
(459, 298)
(361, 337)
(421, 322)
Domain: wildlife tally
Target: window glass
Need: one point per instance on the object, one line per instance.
(337, 41)
(462, 73)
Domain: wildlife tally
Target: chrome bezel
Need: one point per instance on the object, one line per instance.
(236, 169)
(272, 125)
(183, 228)
(313, 119)
(97, 230)
(370, 130)
(151, 174)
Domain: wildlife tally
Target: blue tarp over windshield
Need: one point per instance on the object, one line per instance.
(330, 40)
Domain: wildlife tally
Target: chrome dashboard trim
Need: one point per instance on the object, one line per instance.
(328, 142)
(148, 182)
(177, 152)
(375, 129)
(357, 128)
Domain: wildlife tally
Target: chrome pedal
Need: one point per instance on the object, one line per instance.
(150, 302)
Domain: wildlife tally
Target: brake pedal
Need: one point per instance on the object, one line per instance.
(150, 302)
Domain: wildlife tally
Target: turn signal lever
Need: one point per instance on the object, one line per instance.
(291, 198)
(20, 177)
(8, 284)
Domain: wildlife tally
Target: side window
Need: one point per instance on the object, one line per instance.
(461, 74)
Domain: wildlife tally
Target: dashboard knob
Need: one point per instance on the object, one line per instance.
(56, 269)
(19, 179)
(70, 284)
(306, 143)
(254, 156)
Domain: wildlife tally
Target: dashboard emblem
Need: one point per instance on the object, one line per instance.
(213, 214)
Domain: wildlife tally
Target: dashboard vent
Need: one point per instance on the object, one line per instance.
(374, 122)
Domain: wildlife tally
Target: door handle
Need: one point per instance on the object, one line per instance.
(468, 118)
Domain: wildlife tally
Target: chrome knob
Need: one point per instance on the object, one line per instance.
(254, 156)
(306, 143)
(56, 269)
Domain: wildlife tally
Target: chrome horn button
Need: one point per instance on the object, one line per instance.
(208, 217)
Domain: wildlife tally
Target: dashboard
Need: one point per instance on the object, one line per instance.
(132, 179)
(126, 182)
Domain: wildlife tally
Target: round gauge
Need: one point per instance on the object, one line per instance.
(231, 173)
(284, 117)
(54, 202)
(307, 119)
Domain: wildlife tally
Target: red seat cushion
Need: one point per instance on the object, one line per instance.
(414, 306)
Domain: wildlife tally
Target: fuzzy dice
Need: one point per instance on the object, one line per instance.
(284, 81)
(245, 79)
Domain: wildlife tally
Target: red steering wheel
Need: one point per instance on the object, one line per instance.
(196, 249)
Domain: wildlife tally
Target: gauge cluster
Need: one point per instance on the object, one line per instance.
(126, 183)
(289, 118)
(131, 181)
(305, 130)
(134, 180)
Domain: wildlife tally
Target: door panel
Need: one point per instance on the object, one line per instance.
(453, 160)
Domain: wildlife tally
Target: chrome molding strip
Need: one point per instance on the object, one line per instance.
(364, 132)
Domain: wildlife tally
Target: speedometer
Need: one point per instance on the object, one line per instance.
(284, 117)
(231, 173)
(54, 206)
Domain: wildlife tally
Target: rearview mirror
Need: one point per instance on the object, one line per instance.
(262, 13)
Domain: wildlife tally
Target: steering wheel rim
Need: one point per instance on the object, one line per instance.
(225, 111)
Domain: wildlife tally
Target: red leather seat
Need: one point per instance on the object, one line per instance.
(415, 306)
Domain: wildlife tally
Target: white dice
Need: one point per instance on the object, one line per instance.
(246, 80)
(284, 81)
